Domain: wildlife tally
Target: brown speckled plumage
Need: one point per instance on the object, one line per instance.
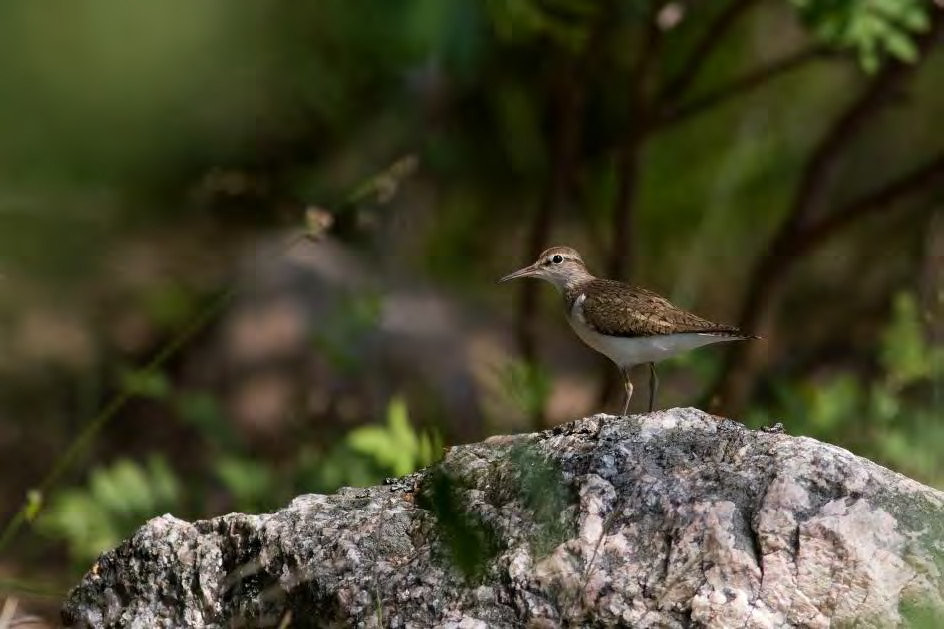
(618, 309)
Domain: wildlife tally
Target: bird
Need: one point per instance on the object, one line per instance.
(627, 324)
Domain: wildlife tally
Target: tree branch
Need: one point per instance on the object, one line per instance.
(567, 125)
(678, 85)
(566, 120)
(912, 182)
(620, 262)
(732, 386)
(769, 274)
(736, 87)
(819, 169)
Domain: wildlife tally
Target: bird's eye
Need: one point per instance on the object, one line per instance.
(557, 259)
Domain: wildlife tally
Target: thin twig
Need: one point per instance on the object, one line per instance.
(740, 85)
(892, 192)
(818, 173)
(640, 111)
(822, 163)
(568, 124)
(565, 115)
(714, 34)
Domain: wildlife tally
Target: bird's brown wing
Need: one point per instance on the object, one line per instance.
(618, 309)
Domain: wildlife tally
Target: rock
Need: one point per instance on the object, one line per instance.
(671, 519)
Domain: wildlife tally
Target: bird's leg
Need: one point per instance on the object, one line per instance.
(628, 386)
(653, 386)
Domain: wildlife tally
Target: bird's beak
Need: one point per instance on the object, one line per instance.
(527, 271)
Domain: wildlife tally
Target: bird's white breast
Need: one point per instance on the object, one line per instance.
(627, 351)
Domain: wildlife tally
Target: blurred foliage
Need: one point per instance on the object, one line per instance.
(564, 22)
(468, 540)
(526, 384)
(341, 335)
(893, 418)
(907, 356)
(874, 29)
(117, 498)
(251, 483)
(542, 489)
(397, 446)
(153, 385)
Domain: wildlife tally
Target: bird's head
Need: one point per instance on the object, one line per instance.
(561, 266)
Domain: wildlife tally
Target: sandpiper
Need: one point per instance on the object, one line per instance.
(629, 325)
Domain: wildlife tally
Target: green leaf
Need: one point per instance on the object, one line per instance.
(202, 411)
(106, 488)
(250, 482)
(563, 22)
(869, 61)
(469, 539)
(873, 30)
(835, 402)
(115, 501)
(152, 385)
(164, 485)
(901, 47)
(885, 404)
(426, 450)
(397, 446)
(914, 19)
(340, 466)
(528, 385)
(904, 354)
(134, 486)
(34, 504)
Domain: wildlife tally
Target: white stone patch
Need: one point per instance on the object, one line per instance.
(850, 565)
(519, 566)
(591, 530)
(467, 622)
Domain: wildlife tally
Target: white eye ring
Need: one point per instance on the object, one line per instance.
(557, 259)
